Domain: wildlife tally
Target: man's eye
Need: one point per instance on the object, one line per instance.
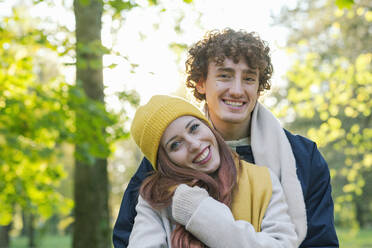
(194, 127)
(224, 76)
(250, 79)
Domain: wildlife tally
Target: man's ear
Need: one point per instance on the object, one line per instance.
(200, 87)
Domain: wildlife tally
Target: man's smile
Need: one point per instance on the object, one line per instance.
(233, 103)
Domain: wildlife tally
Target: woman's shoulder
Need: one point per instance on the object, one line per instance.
(252, 168)
(143, 204)
(257, 176)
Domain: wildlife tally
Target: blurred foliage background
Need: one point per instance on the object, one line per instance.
(57, 134)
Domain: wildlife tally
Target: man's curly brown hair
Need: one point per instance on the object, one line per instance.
(217, 45)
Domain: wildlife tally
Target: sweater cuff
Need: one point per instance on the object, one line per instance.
(185, 201)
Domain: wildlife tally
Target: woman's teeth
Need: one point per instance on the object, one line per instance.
(202, 156)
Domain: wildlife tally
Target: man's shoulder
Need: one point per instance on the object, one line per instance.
(300, 144)
(144, 169)
(309, 161)
(303, 151)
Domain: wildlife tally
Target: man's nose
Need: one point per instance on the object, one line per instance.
(236, 89)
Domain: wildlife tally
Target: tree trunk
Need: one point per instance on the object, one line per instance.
(91, 226)
(31, 231)
(24, 226)
(4, 236)
(359, 213)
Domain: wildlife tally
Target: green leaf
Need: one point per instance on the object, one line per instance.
(153, 2)
(341, 4)
(120, 5)
(112, 66)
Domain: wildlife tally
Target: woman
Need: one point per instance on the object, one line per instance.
(201, 194)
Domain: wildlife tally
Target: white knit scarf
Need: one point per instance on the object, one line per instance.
(271, 148)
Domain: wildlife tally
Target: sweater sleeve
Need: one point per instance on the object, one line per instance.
(148, 229)
(185, 201)
(214, 225)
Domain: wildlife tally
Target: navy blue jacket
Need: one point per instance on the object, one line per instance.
(312, 171)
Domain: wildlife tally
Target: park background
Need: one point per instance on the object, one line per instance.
(73, 72)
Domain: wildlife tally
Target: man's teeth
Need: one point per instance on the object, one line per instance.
(234, 103)
(203, 156)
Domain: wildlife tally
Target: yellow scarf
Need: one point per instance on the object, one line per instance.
(252, 194)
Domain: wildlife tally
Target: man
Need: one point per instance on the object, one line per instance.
(229, 70)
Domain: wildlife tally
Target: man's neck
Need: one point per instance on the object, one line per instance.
(233, 131)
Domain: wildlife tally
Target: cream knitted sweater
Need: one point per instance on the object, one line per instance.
(213, 223)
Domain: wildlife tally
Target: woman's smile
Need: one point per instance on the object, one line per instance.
(203, 157)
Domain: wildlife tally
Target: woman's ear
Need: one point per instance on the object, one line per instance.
(200, 87)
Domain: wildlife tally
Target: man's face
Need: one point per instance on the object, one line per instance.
(231, 92)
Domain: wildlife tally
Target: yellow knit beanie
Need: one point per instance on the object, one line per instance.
(151, 120)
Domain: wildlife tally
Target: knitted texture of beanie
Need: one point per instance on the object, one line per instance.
(151, 120)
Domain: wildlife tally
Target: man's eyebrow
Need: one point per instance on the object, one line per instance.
(225, 69)
(251, 71)
(229, 69)
(175, 136)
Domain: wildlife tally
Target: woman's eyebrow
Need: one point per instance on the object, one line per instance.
(166, 144)
(188, 124)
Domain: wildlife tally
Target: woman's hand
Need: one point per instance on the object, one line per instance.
(185, 201)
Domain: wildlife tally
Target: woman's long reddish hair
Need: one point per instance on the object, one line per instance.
(158, 188)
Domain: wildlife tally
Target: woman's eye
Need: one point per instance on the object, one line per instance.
(194, 127)
(174, 145)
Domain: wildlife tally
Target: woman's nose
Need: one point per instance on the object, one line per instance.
(194, 144)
